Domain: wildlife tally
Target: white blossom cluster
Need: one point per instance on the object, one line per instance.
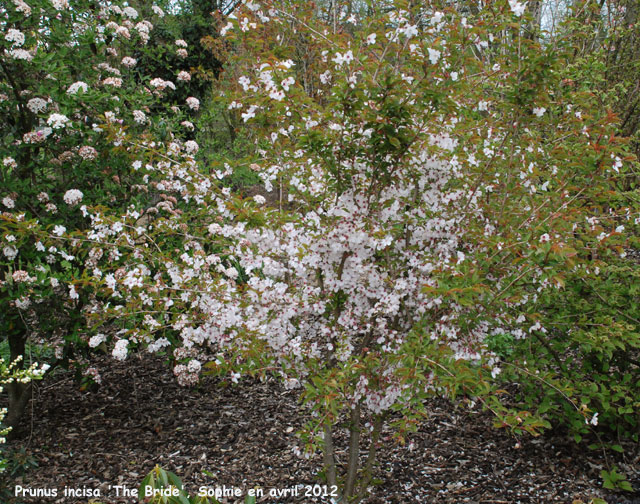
(72, 197)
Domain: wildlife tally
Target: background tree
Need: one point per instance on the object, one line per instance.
(69, 75)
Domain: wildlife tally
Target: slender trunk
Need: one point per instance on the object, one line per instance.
(532, 28)
(354, 452)
(329, 456)
(367, 473)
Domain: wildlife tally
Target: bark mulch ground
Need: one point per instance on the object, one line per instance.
(242, 436)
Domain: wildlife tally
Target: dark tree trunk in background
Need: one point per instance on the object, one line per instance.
(19, 393)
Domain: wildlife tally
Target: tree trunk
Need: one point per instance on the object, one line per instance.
(19, 393)
(354, 452)
(329, 456)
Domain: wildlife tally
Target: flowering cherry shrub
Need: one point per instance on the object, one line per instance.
(435, 179)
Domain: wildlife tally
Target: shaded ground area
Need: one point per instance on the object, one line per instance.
(243, 436)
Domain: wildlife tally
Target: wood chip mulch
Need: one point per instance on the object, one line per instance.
(242, 436)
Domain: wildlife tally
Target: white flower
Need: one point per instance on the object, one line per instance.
(434, 55)
(97, 340)
(130, 12)
(23, 303)
(276, 95)
(260, 200)
(36, 105)
(245, 82)
(120, 350)
(517, 8)
(371, 39)
(454, 76)
(15, 36)
(59, 230)
(620, 229)
(339, 59)
(193, 103)
(286, 83)
(9, 162)
(437, 17)
(112, 81)
(60, 4)
(72, 292)
(225, 29)
(245, 25)
(544, 238)
(539, 111)
(181, 43)
(21, 6)
(194, 366)
(58, 121)
(410, 30)
(72, 197)
(158, 11)
(348, 57)
(617, 164)
(594, 420)
(129, 62)
(20, 276)
(161, 84)
(250, 113)
(9, 202)
(191, 146)
(87, 153)
(77, 86)
(123, 31)
(10, 252)
(325, 77)
(21, 54)
(184, 76)
(139, 116)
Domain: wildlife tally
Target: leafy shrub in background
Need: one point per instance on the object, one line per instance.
(68, 79)
(590, 356)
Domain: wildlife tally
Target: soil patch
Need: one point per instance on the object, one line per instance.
(243, 436)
